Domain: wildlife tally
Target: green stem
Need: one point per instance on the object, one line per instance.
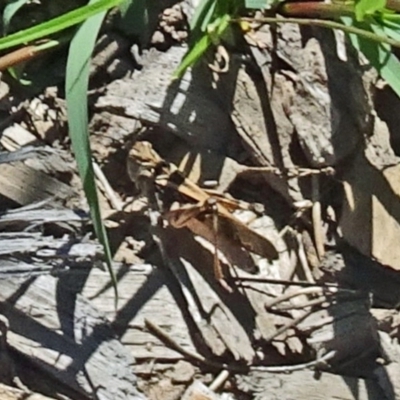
(49, 44)
(325, 24)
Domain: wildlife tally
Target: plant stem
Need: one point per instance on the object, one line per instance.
(314, 9)
(25, 54)
(325, 24)
(393, 5)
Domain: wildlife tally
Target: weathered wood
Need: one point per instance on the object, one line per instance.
(33, 180)
(46, 246)
(222, 327)
(145, 292)
(349, 266)
(38, 214)
(182, 107)
(371, 213)
(25, 185)
(348, 328)
(67, 337)
(23, 153)
(196, 307)
(307, 385)
(268, 121)
(9, 393)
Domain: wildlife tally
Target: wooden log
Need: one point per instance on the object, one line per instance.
(67, 337)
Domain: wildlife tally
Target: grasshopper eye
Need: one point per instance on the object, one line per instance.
(211, 202)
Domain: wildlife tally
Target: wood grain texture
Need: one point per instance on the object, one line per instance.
(10, 393)
(145, 292)
(63, 334)
(306, 385)
(25, 185)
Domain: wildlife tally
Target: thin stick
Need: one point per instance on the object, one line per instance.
(300, 292)
(303, 259)
(219, 380)
(302, 306)
(163, 336)
(217, 266)
(289, 325)
(295, 283)
(25, 54)
(316, 218)
(291, 173)
(291, 368)
(108, 190)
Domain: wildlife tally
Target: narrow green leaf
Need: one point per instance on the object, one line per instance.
(124, 7)
(57, 24)
(391, 28)
(215, 31)
(76, 86)
(192, 56)
(17, 75)
(137, 19)
(387, 16)
(202, 15)
(223, 24)
(378, 54)
(387, 64)
(9, 10)
(368, 7)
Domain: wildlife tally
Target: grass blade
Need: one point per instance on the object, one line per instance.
(200, 47)
(192, 56)
(202, 16)
(57, 24)
(9, 10)
(77, 79)
(378, 54)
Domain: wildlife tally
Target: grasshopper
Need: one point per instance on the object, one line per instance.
(207, 215)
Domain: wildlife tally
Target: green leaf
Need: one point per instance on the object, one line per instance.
(387, 64)
(368, 7)
(391, 28)
(16, 73)
(138, 19)
(378, 54)
(192, 56)
(76, 86)
(217, 28)
(57, 24)
(208, 24)
(9, 10)
(202, 18)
